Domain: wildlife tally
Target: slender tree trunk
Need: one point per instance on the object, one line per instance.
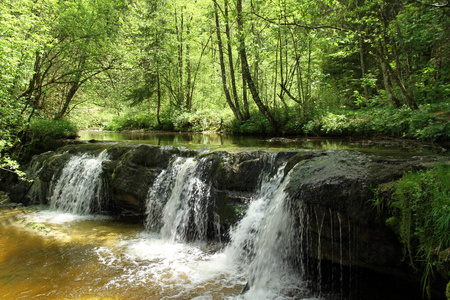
(396, 72)
(411, 98)
(275, 81)
(244, 97)
(236, 112)
(386, 77)
(282, 80)
(68, 98)
(158, 109)
(179, 31)
(230, 58)
(308, 78)
(362, 53)
(246, 71)
(189, 75)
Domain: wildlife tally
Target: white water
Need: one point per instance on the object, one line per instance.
(178, 200)
(162, 262)
(260, 242)
(79, 188)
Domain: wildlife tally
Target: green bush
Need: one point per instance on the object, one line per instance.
(132, 121)
(381, 121)
(42, 130)
(41, 136)
(256, 124)
(447, 291)
(201, 120)
(419, 212)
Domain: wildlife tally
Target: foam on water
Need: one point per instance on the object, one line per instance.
(185, 269)
(56, 217)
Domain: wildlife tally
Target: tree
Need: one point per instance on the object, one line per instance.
(233, 105)
(246, 70)
(82, 46)
(24, 32)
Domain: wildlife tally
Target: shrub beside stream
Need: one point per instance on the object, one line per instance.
(417, 207)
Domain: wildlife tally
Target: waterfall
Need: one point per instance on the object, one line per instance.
(79, 189)
(262, 243)
(178, 201)
(264, 240)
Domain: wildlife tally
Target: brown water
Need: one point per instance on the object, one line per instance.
(59, 256)
(49, 255)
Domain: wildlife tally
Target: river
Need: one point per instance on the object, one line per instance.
(63, 251)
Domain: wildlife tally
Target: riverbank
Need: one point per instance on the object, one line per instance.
(430, 123)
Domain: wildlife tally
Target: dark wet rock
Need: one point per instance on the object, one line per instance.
(239, 171)
(330, 195)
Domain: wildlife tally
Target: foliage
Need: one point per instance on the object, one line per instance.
(382, 121)
(256, 124)
(132, 121)
(447, 291)
(419, 210)
(193, 121)
(202, 120)
(23, 31)
(43, 130)
(42, 134)
(281, 67)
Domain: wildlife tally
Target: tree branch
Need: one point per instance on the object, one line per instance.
(298, 24)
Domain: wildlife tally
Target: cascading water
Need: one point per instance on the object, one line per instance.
(275, 246)
(79, 188)
(178, 201)
(263, 241)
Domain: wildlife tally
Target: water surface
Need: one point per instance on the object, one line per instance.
(50, 255)
(229, 141)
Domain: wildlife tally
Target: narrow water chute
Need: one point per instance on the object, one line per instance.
(80, 188)
(263, 240)
(178, 201)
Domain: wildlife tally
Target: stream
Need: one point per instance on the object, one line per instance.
(66, 250)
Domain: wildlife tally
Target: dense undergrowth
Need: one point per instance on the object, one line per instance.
(417, 207)
(41, 135)
(429, 123)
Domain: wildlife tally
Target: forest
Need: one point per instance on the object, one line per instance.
(280, 67)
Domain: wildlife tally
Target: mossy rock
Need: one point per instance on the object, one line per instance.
(447, 291)
(38, 227)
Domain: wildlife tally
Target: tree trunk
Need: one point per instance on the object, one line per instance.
(179, 31)
(230, 58)
(189, 76)
(411, 98)
(362, 54)
(158, 109)
(236, 112)
(72, 91)
(244, 97)
(386, 77)
(246, 71)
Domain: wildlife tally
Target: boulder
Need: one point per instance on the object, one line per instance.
(330, 194)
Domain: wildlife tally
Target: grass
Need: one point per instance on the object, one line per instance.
(418, 209)
(423, 124)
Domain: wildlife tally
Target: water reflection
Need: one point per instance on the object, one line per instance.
(219, 140)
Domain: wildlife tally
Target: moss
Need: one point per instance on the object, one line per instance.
(239, 210)
(38, 227)
(392, 222)
(417, 207)
(447, 291)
